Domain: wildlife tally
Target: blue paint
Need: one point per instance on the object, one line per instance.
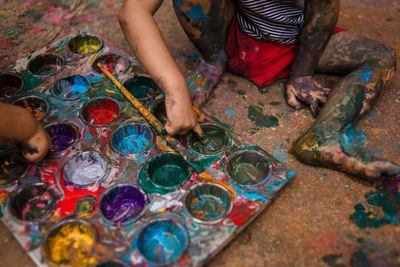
(366, 75)
(162, 242)
(71, 87)
(197, 12)
(230, 112)
(352, 141)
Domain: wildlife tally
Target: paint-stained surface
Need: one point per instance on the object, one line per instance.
(310, 223)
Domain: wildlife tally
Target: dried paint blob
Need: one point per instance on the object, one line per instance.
(71, 88)
(113, 63)
(10, 84)
(248, 167)
(142, 87)
(70, 243)
(44, 65)
(100, 111)
(209, 202)
(168, 170)
(134, 138)
(163, 241)
(159, 112)
(12, 168)
(37, 106)
(84, 44)
(34, 202)
(62, 135)
(122, 204)
(85, 168)
(218, 139)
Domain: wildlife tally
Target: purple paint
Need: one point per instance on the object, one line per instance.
(62, 136)
(122, 204)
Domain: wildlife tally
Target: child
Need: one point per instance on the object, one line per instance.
(18, 126)
(264, 40)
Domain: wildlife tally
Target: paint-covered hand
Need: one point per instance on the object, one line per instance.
(181, 116)
(308, 90)
(36, 146)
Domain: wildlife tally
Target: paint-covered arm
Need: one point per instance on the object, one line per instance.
(18, 126)
(320, 21)
(144, 37)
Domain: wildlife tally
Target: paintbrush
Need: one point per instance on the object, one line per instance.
(172, 142)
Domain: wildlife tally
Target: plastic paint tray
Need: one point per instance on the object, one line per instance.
(111, 191)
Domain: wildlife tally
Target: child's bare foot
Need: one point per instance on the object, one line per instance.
(327, 151)
(204, 79)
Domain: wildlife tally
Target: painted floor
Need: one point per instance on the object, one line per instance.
(323, 217)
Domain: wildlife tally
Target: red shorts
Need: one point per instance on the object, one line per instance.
(259, 61)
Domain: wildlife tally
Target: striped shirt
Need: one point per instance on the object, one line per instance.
(271, 20)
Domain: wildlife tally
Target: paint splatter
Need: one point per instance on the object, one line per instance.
(387, 197)
(352, 141)
(256, 115)
(230, 112)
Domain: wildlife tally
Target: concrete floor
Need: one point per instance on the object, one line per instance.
(308, 224)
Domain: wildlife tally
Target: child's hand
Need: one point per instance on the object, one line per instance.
(35, 148)
(307, 90)
(181, 116)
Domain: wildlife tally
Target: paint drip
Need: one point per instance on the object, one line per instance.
(33, 202)
(85, 168)
(162, 242)
(62, 136)
(71, 87)
(70, 243)
(123, 203)
(100, 111)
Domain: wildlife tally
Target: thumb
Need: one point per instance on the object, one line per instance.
(170, 129)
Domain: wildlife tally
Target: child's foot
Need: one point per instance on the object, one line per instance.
(203, 80)
(326, 151)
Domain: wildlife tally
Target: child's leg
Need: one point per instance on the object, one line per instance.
(369, 67)
(206, 23)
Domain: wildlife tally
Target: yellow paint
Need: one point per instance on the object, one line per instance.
(71, 244)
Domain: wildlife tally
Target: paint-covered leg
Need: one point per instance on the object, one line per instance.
(206, 24)
(332, 141)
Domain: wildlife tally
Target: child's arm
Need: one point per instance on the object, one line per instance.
(18, 126)
(320, 21)
(144, 37)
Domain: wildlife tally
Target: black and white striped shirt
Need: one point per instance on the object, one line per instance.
(271, 20)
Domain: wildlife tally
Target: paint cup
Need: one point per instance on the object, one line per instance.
(123, 204)
(100, 111)
(133, 139)
(36, 105)
(34, 202)
(163, 241)
(159, 112)
(84, 44)
(12, 168)
(46, 65)
(10, 84)
(217, 135)
(208, 203)
(111, 263)
(168, 170)
(62, 135)
(247, 167)
(142, 87)
(113, 63)
(70, 242)
(71, 87)
(85, 168)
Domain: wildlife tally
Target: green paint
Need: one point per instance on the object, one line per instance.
(387, 197)
(218, 139)
(256, 115)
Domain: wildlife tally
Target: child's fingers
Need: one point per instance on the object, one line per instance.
(197, 129)
(291, 97)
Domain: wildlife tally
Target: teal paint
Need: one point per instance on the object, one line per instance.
(230, 112)
(256, 115)
(352, 140)
(197, 12)
(366, 75)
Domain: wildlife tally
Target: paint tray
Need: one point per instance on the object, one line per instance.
(110, 191)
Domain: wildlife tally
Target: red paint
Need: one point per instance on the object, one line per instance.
(102, 116)
(102, 111)
(242, 211)
(5, 44)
